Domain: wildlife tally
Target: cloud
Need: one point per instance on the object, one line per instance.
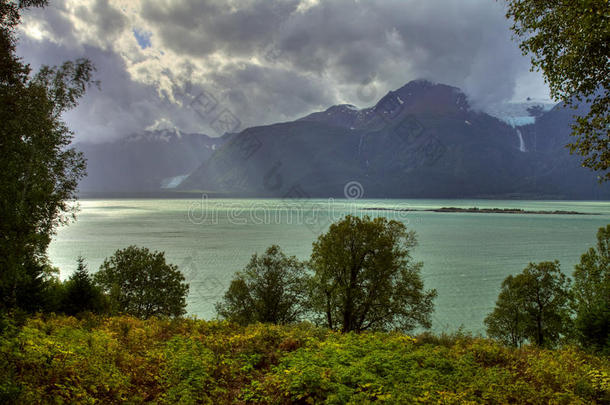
(271, 60)
(107, 21)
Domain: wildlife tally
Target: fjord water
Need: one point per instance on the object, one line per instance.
(466, 255)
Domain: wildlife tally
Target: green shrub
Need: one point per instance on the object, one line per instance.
(98, 359)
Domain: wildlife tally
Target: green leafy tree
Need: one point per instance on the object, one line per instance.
(568, 41)
(365, 279)
(591, 292)
(508, 321)
(81, 294)
(53, 296)
(533, 305)
(269, 289)
(39, 171)
(43, 293)
(139, 282)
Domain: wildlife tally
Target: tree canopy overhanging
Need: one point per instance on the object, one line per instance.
(39, 170)
(569, 41)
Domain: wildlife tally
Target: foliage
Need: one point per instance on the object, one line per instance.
(140, 283)
(270, 289)
(568, 41)
(365, 278)
(396, 369)
(54, 294)
(81, 294)
(39, 171)
(507, 322)
(40, 293)
(127, 360)
(532, 306)
(591, 293)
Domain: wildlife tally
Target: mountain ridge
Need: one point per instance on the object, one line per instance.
(422, 140)
(145, 161)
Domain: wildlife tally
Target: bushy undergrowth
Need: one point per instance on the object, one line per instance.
(123, 359)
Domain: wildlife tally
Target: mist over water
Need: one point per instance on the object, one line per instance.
(466, 255)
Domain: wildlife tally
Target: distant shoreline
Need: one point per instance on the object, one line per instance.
(108, 195)
(476, 210)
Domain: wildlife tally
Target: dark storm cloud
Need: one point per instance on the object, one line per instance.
(107, 20)
(198, 28)
(464, 43)
(273, 60)
(121, 107)
(53, 20)
(256, 88)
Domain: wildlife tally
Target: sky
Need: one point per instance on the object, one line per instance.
(212, 66)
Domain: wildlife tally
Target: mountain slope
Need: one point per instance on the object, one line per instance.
(556, 168)
(422, 140)
(148, 161)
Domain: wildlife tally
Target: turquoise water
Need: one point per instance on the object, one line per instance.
(465, 255)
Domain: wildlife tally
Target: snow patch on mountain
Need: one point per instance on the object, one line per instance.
(173, 182)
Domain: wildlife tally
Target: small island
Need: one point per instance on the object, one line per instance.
(484, 210)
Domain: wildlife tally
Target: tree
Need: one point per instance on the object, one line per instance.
(270, 289)
(569, 41)
(533, 305)
(81, 294)
(140, 283)
(39, 172)
(591, 293)
(42, 293)
(508, 320)
(365, 278)
(53, 296)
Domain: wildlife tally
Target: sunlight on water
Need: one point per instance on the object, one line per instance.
(465, 255)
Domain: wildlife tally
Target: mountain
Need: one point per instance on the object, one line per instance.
(556, 168)
(420, 141)
(147, 161)
(519, 113)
